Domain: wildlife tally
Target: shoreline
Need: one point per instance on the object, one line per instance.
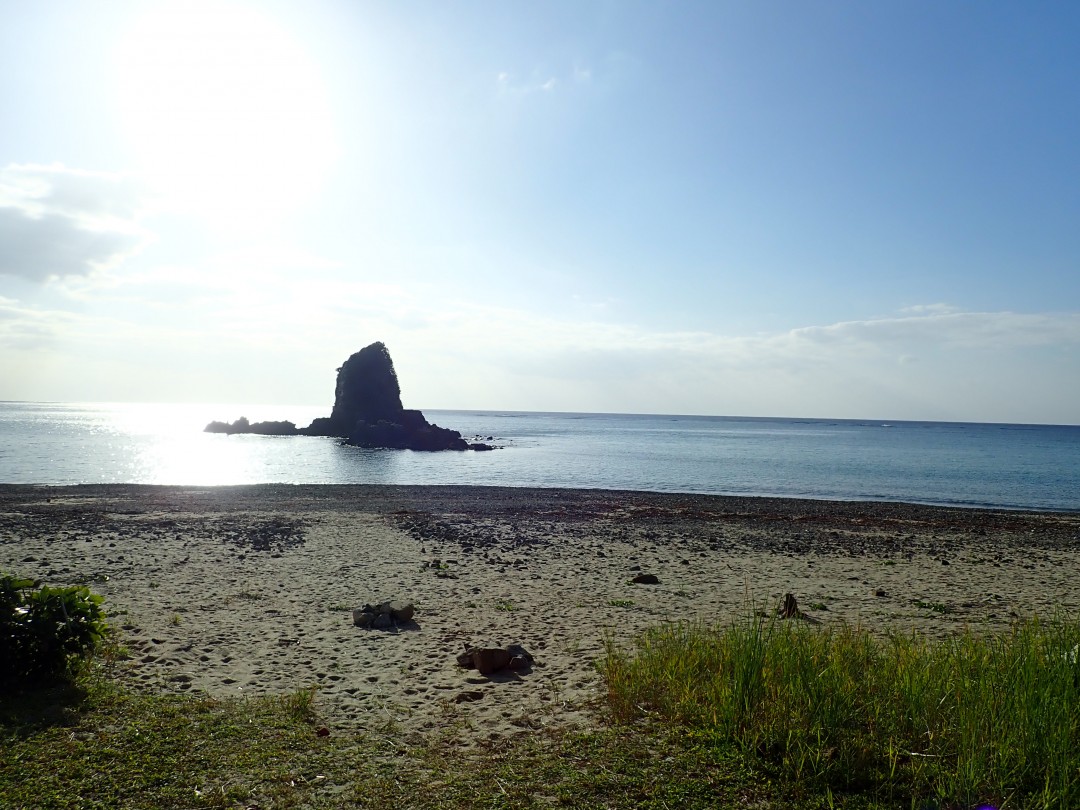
(386, 490)
(249, 589)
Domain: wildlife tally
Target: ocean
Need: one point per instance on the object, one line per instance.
(945, 463)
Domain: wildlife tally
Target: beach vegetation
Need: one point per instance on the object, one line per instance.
(954, 722)
(621, 603)
(45, 632)
(300, 704)
(756, 713)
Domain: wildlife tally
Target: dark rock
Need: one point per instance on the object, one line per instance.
(384, 615)
(367, 412)
(519, 657)
(382, 621)
(242, 425)
(399, 611)
(491, 659)
(367, 390)
(646, 579)
(320, 426)
(282, 428)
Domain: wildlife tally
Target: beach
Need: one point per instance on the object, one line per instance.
(240, 591)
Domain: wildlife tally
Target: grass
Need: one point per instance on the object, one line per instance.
(954, 723)
(99, 746)
(757, 714)
(110, 748)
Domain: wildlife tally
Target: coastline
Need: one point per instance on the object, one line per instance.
(249, 589)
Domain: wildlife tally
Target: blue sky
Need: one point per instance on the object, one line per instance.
(780, 209)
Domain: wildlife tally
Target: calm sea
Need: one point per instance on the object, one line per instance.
(1013, 466)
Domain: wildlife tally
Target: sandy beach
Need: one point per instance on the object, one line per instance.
(239, 591)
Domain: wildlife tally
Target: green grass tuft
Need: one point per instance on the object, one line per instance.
(967, 720)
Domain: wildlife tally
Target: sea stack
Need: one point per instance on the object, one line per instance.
(367, 411)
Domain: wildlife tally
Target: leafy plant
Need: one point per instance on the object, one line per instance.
(45, 631)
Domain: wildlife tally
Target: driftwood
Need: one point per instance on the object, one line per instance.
(789, 609)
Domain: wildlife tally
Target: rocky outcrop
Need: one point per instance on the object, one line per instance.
(367, 390)
(242, 425)
(367, 412)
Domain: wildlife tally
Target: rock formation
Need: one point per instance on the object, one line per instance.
(367, 412)
(242, 425)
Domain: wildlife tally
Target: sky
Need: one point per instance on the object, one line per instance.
(805, 209)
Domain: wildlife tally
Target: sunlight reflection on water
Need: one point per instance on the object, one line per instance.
(963, 464)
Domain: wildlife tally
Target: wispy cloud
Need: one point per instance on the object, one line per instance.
(57, 222)
(510, 85)
(542, 80)
(967, 330)
(930, 309)
(247, 311)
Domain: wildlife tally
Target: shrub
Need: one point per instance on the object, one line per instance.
(45, 632)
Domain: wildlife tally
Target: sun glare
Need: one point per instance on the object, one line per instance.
(225, 111)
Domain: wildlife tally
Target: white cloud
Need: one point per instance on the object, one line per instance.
(513, 86)
(968, 330)
(930, 309)
(57, 222)
(249, 326)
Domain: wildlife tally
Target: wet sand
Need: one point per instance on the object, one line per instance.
(238, 591)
